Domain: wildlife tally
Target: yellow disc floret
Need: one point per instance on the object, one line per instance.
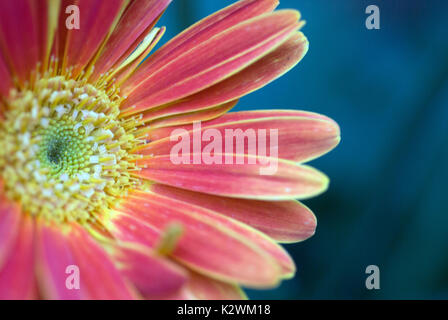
(64, 150)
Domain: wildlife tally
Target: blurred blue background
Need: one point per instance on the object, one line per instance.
(388, 90)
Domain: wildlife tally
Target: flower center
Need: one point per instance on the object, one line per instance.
(63, 147)
(64, 152)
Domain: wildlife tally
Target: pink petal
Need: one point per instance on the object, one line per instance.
(10, 216)
(204, 288)
(54, 255)
(200, 32)
(290, 181)
(126, 227)
(185, 118)
(46, 17)
(249, 79)
(151, 274)
(60, 39)
(205, 246)
(99, 278)
(5, 78)
(284, 221)
(159, 192)
(301, 138)
(17, 274)
(19, 25)
(138, 17)
(97, 18)
(211, 61)
(128, 69)
(160, 133)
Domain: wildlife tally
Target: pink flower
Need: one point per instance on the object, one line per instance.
(92, 205)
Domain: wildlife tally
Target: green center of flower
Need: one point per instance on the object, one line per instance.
(64, 152)
(63, 147)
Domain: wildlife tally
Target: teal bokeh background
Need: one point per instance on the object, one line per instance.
(388, 90)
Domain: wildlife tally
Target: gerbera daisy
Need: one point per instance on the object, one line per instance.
(91, 205)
